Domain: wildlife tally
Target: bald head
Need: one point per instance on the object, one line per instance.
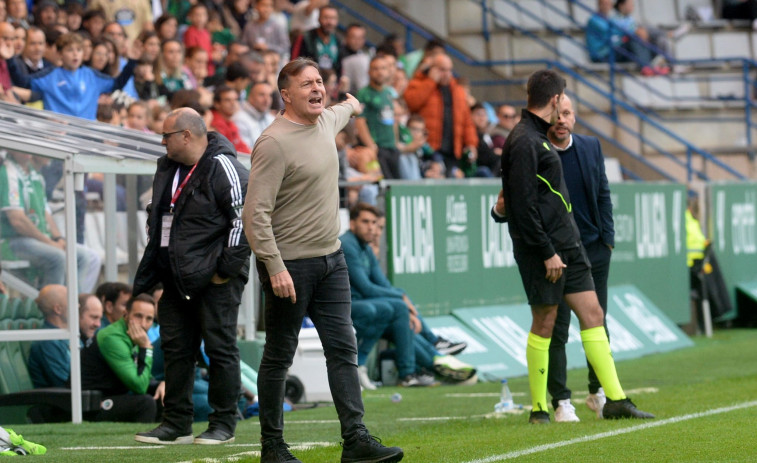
(189, 119)
(443, 65)
(185, 136)
(7, 32)
(52, 301)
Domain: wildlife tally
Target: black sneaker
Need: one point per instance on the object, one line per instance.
(447, 347)
(165, 435)
(277, 451)
(539, 418)
(624, 408)
(362, 447)
(214, 437)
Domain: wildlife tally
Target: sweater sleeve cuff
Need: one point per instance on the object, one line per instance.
(275, 266)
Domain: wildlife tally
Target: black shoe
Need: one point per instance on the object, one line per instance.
(164, 435)
(447, 347)
(277, 451)
(214, 436)
(624, 408)
(539, 418)
(362, 447)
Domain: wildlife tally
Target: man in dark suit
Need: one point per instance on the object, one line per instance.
(584, 172)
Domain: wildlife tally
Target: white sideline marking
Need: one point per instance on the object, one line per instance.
(617, 432)
(435, 418)
(122, 447)
(640, 390)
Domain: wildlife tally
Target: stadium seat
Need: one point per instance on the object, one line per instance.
(687, 93)
(657, 13)
(504, 11)
(730, 45)
(636, 92)
(3, 305)
(16, 386)
(14, 308)
(572, 52)
(726, 87)
(683, 6)
(582, 15)
(660, 92)
(693, 47)
(558, 12)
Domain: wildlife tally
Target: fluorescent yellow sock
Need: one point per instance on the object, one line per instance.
(537, 356)
(597, 348)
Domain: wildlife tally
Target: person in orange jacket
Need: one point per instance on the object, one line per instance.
(435, 95)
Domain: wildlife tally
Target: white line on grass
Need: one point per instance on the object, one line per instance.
(256, 453)
(602, 435)
(122, 447)
(641, 390)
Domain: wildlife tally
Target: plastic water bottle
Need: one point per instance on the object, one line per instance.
(396, 397)
(505, 403)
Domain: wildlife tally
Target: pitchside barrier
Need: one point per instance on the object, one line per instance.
(732, 226)
(444, 249)
(496, 335)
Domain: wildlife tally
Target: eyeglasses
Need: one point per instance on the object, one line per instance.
(168, 134)
(507, 116)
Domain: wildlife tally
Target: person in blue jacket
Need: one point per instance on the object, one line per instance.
(70, 89)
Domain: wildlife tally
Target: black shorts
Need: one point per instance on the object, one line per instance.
(576, 277)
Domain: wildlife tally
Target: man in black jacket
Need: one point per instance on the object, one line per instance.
(198, 250)
(547, 247)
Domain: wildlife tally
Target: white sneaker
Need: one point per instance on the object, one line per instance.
(365, 381)
(452, 368)
(565, 412)
(596, 402)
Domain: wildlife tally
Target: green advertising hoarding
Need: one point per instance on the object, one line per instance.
(496, 335)
(733, 230)
(447, 253)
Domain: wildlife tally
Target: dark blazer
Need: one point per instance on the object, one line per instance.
(592, 164)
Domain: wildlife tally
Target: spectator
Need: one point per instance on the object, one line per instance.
(7, 39)
(198, 35)
(157, 117)
(90, 318)
(167, 27)
(393, 309)
(29, 229)
(32, 57)
(144, 81)
(225, 104)
(103, 57)
(19, 40)
(507, 117)
(322, 44)
(132, 16)
(356, 58)
(239, 11)
(50, 361)
(351, 156)
(170, 73)
(376, 126)
(237, 77)
(113, 296)
(264, 33)
(434, 94)
(305, 16)
(150, 43)
(46, 14)
(93, 21)
(488, 161)
(254, 114)
(415, 142)
(74, 16)
(18, 13)
(196, 66)
(118, 363)
(79, 95)
(137, 116)
(272, 65)
(411, 61)
(642, 41)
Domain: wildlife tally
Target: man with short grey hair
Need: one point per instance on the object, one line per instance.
(198, 251)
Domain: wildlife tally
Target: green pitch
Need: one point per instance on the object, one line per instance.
(705, 399)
